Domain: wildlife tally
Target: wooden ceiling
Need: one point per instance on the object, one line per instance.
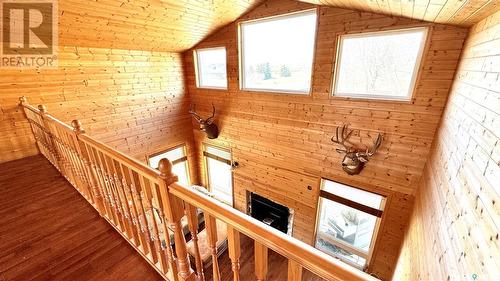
(458, 12)
(177, 25)
(163, 25)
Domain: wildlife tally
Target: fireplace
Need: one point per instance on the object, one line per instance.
(270, 213)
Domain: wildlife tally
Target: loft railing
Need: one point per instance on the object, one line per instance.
(146, 207)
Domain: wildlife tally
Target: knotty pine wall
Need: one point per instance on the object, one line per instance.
(133, 100)
(454, 230)
(282, 142)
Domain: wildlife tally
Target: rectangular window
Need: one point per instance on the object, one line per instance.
(348, 220)
(220, 177)
(277, 53)
(177, 156)
(379, 65)
(211, 68)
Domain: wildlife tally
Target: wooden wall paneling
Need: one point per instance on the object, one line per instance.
(282, 142)
(133, 100)
(454, 231)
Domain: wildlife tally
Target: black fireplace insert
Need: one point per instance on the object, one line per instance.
(269, 212)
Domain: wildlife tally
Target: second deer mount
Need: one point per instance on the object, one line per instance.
(206, 125)
(354, 159)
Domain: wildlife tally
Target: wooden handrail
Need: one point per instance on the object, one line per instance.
(146, 170)
(146, 205)
(312, 259)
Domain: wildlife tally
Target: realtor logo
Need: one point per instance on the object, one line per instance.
(29, 33)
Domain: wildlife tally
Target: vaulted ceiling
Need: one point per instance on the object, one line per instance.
(177, 25)
(164, 25)
(458, 12)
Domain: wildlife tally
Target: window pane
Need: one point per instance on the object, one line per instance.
(342, 254)
(220, 180)
(357, 195)
(345, 224)
(218, 152)
(171, 155)
(277, 53)
(180, 169)
(212, 68)
(382, 64)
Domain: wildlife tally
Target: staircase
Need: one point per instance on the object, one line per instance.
(147, 206)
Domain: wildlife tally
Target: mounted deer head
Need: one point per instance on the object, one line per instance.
(354, 159)
(206, 125)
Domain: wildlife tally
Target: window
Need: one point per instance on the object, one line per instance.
(277, 53)
(177, 156)
(348, 220)
(379, 65)
(220, 178)
(211, 68)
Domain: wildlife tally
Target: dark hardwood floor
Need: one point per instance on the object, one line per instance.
(49, 232)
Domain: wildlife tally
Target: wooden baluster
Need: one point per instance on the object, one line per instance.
(106, 184)
(108, 180)
(48, 139)
(110, 213)
(174, 211)
(87, 171)
(141, 215)
(115, 190)
(294, 271)
(153, 228)
(233, 241)
(211, 228)
(130, 202)
(168, 251)
(121, 200)
(261, 252)
(63, 153)
(77, 166)
(145, 203)
(77, 161)
(122, 186)
(23, 101)
(192, 216)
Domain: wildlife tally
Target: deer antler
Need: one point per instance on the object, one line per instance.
(376, 144)
(210, 119)
(195, 115)
(344, 136)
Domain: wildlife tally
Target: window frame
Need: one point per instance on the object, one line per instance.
(197, 69)
(367, 256)
(179, 160)
(206, 171)
(241, 53)
(416, 70)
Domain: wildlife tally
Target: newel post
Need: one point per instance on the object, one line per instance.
(49, 139)
(174, 211)
(23, 100)
(89, 173)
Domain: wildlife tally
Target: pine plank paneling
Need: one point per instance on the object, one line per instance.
(282, 142)
(454, 228)
(133, 100)
(457, 12)
(165, 25)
